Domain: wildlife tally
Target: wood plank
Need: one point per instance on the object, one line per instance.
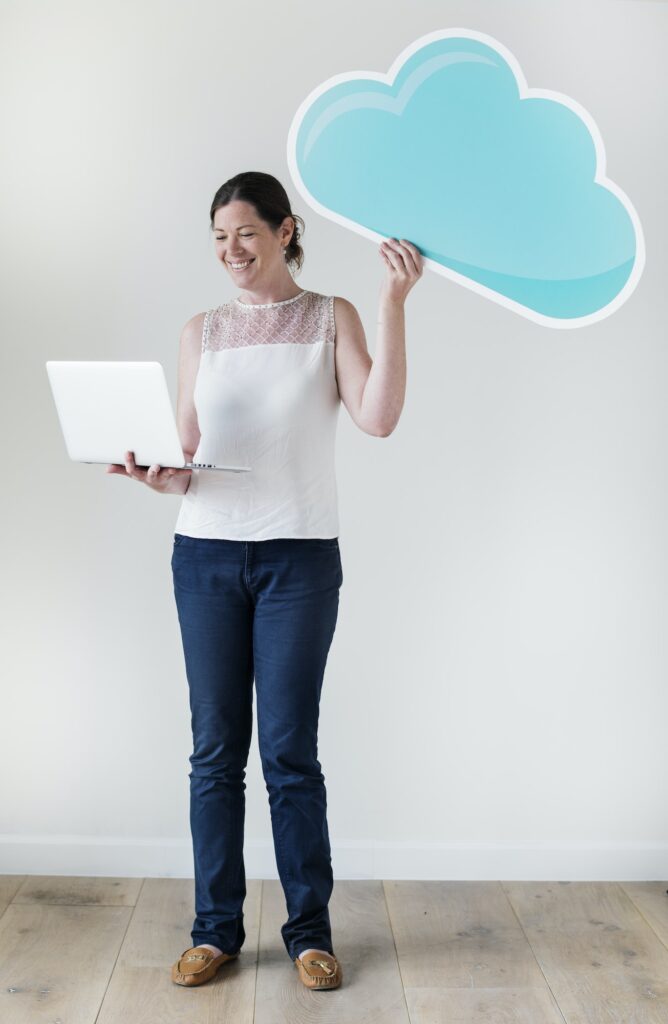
(79, 890)
(483, 1006)
(9, 886)
(463, 956)
(651, 899)
(600, 957)
(56, 961)
(371, 989)
(459, 934)
(141, 989)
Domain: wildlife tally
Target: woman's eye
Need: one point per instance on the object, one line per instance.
(221, 238)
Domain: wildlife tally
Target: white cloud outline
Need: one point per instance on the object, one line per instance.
(600, 176)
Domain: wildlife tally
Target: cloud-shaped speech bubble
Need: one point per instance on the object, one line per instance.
(502, 188)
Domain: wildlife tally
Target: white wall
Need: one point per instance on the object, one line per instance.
(495, 702)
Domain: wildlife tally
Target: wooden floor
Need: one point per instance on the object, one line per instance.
(100, 950)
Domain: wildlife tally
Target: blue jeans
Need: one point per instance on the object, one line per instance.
(265, 611)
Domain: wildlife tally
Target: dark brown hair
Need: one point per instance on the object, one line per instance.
(271, 202)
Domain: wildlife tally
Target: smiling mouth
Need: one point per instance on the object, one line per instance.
(245, 264)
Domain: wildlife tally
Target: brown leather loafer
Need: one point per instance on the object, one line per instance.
(321, 970)
(197, 965)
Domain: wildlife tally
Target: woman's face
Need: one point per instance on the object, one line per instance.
(241, 236)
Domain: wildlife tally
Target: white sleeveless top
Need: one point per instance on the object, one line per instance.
(266, 397)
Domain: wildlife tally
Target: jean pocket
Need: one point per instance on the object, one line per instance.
(178, 538)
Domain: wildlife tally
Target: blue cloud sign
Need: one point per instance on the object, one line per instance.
(501, 187)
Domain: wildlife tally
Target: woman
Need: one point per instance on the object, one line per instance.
(256, 561)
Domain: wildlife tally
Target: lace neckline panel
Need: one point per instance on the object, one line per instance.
(268, 305)
(290, 321)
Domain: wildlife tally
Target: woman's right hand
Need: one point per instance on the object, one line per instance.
(167, 480)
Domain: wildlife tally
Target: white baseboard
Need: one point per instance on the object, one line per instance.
(110, 856)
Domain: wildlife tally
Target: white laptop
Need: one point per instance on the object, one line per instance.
(108, 408)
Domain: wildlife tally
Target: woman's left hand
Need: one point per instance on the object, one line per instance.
(404, 267)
